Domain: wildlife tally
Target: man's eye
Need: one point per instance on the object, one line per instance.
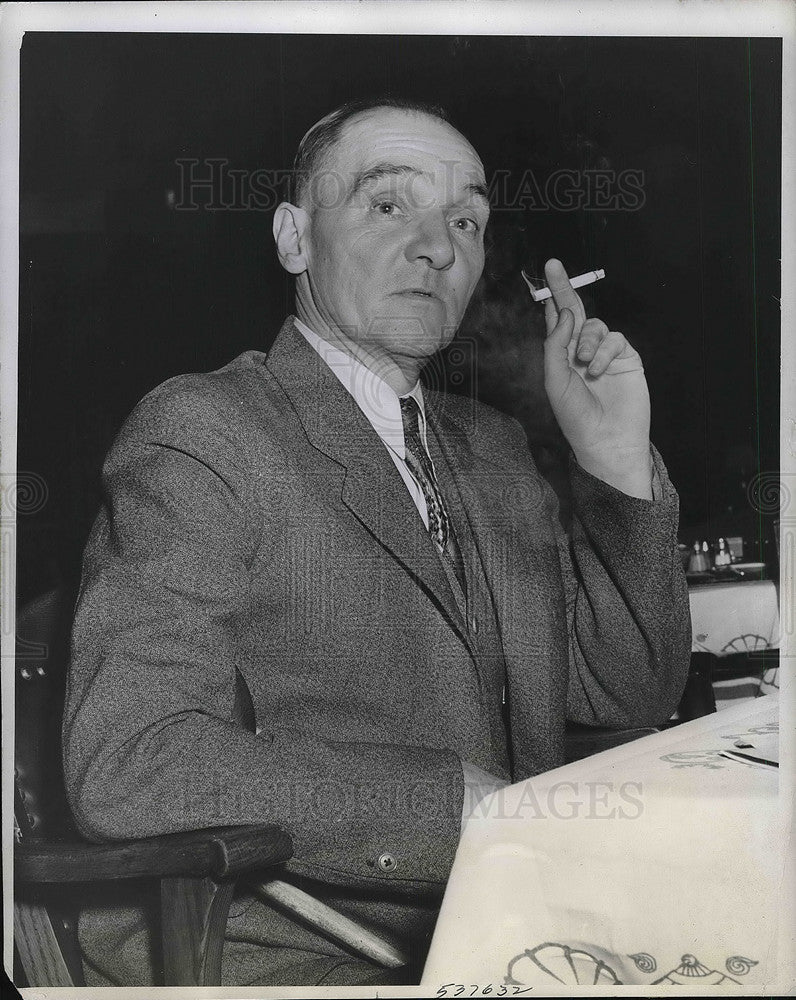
(465, 225)
(386, 208)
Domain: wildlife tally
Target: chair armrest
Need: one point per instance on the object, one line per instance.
(582, 741)
(218, 852)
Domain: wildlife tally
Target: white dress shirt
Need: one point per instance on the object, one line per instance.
(380, 404)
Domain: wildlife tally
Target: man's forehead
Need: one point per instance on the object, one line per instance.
(414, 139)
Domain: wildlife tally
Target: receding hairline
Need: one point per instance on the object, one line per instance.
(320, 158)
(412, 112)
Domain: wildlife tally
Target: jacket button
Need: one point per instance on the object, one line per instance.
(387, 863)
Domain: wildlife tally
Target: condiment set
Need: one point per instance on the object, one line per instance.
(701, 562)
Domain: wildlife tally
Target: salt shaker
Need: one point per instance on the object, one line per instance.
(723, 558)
(699, 562)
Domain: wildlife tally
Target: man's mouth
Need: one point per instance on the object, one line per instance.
(421, 292)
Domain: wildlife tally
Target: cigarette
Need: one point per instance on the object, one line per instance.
(540, 294)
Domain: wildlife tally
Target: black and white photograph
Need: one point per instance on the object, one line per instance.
(398, 498)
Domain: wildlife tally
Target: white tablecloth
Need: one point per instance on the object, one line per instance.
(654, 863)
(736, 617)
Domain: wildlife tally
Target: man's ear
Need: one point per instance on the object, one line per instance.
(290, 225)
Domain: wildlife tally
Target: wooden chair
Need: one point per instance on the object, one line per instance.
(196, 870)
(52, 863)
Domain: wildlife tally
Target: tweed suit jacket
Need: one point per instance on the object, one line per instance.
(253, 522)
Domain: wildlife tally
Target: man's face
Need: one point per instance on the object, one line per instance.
(396, 239)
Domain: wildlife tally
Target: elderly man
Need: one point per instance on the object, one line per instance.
(381, 563)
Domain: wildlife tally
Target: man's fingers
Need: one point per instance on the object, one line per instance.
(592, 334)
(613, 346)
(564, 295)
(557, 371)
(550, 316)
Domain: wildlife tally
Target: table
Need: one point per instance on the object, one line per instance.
(737, 616)
(734, 617)
(652, 863)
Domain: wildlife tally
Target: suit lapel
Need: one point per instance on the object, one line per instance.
(481, 489)
(504, 505)
(371, 488)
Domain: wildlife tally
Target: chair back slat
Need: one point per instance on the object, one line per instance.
(41, 810)
(40, 950)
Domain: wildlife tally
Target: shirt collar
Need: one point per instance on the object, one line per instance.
(377, 400)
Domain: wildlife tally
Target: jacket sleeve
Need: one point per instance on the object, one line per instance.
(628, 614)
(162, 619)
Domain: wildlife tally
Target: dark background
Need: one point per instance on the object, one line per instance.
(120, 289)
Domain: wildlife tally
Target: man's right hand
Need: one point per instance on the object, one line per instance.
(477, 784)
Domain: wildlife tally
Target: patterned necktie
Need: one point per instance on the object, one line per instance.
(419, 462)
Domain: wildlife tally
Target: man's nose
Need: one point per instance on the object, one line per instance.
(431, 241)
